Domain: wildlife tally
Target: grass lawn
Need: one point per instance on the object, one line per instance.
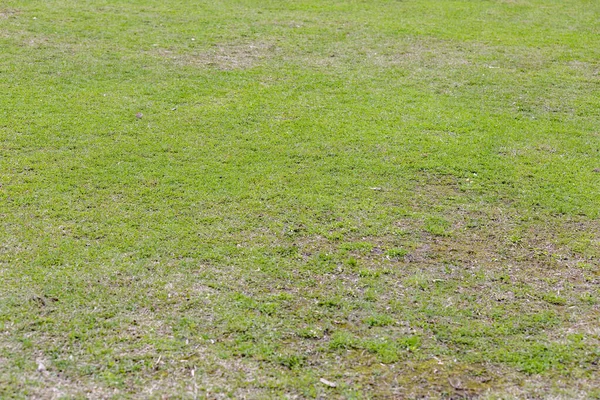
(300, 199)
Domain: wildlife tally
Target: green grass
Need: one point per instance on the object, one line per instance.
(399, 197)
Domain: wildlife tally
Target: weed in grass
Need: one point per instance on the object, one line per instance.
(352, 262)
(291, 361)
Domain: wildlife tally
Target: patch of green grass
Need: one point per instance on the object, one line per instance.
(237, 199)
(379, 320)
(553, 298)
(386, 350)
(396, 253)
(437, 226)
(342, 340)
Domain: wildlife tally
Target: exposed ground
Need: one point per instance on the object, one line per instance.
(317, 199)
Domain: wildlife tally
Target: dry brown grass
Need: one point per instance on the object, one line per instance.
(227, 56)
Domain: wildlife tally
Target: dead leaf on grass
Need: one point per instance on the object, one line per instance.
(327, 383)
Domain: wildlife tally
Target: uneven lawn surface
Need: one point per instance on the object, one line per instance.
(399, 197)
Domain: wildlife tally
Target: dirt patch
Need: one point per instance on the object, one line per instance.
(406, 53)
(228, 56)
(590, 70)
(420, 53)
(8, 13)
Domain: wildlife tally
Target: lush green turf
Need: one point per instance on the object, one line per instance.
(399, 197)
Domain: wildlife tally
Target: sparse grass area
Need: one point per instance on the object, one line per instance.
(399, 197)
